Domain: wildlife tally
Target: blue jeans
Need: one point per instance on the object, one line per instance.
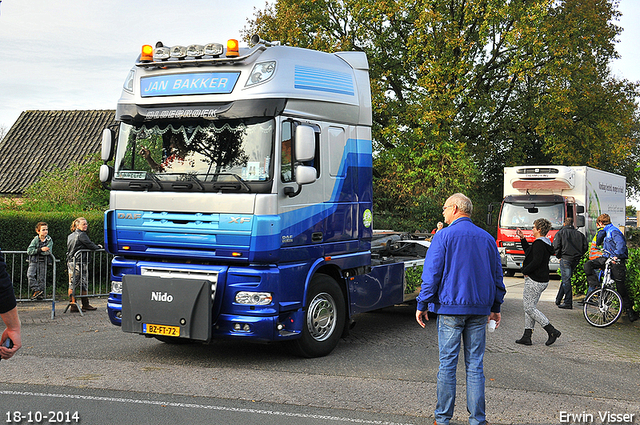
(565, 291)
(471, 330)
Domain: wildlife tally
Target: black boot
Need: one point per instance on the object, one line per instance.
(553, 334)
(632, 315)
(526, 338)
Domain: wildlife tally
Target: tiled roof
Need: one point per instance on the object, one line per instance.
(40, 139)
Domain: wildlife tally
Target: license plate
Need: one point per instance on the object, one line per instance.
(148, 328)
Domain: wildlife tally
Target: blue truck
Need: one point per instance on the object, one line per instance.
(241, 197)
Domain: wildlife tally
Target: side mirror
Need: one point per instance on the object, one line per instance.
(305, 144)
(580, 209)
(489, 219)
(305, 174)
(580, 219)
(107, 145)
(106, 173)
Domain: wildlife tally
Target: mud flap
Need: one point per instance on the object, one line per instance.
(167, 306)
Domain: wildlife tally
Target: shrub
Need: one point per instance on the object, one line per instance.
(414, 279)
(76, 188)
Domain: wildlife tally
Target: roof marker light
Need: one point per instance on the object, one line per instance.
(232, 48)
(147, 53)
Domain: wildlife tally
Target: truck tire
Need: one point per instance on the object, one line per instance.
(325, 316)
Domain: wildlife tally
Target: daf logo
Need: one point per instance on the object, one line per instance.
(159, 296)
(129, 216)
(240, 220)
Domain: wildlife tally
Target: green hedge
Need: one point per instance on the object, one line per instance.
(18, 229)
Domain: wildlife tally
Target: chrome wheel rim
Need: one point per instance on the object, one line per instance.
(321, 316)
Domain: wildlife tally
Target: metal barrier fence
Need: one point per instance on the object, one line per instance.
(54, 276)
(18, 267)
(94, 281)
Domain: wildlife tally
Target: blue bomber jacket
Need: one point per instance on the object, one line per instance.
(613, 242)
(462, 273)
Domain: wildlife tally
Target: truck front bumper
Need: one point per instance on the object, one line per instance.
(283, 326)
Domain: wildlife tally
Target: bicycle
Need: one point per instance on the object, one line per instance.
(603, 307)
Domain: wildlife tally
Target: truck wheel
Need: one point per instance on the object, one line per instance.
(324, 318)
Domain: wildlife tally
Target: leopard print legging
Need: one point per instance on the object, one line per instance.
(530, 297)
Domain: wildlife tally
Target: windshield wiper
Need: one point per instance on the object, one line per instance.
(185, 185)
(239, 184)
(145, 184)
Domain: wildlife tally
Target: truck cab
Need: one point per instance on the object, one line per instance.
(519, 212)
(241, 196)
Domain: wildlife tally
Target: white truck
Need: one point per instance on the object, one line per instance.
(554, 192)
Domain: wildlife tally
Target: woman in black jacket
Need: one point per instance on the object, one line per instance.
(536, 279)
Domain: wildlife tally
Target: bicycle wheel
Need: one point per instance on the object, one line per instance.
(602, 309)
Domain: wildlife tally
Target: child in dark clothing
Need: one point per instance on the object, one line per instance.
(536, 279)
(39, 257)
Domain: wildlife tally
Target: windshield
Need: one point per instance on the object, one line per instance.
(517, 216)
(234, 151)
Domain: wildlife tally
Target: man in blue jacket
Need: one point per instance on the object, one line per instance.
(462, 284)
(614, 245)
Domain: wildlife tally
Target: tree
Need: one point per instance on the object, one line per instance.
(462, 88)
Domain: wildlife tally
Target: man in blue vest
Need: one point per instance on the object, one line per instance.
(614, 246)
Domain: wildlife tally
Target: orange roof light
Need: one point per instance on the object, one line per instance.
(232, 48)
(147, 53)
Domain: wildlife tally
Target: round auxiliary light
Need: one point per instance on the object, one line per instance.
(195, 50)
(161, 53)
(213, 49)
(178, 52)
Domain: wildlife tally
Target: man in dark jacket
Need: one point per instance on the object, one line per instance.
(462, 284)
(569, 245)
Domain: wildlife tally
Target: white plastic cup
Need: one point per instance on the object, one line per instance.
(491, 326)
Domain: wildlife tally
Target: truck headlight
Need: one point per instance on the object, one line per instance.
(254, 298)
(116, 287)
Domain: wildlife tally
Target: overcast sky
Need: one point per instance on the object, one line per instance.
(75, 54)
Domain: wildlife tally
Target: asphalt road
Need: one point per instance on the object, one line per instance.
(384, 372)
